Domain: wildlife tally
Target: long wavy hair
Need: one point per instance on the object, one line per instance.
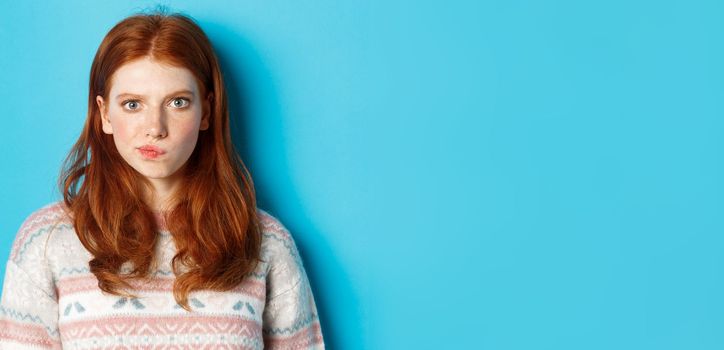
(214, 223)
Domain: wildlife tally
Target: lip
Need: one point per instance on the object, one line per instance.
(150, 151)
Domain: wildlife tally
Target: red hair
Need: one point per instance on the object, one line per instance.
(214, 222)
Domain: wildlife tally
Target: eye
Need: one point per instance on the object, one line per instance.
(180, 102)
(131, 104)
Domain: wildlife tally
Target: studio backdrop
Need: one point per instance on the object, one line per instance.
(457, 175)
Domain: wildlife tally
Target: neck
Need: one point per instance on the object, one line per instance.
(159, 198)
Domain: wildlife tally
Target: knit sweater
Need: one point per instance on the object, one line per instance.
(51, 300)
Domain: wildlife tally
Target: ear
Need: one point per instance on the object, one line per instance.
(206, 114)
(107, 127)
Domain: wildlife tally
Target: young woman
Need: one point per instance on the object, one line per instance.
(157, 242)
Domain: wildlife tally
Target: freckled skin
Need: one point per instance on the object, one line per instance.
(154, 116)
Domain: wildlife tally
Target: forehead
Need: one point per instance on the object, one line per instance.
(146, 76)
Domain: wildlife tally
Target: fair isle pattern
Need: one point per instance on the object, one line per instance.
(50, 300)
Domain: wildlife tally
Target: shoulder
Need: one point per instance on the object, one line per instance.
(37, 227)
(276, 238)
(279, 252)
(270, 224)
(32, 252)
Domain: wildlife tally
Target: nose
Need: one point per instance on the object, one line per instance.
(156, 124)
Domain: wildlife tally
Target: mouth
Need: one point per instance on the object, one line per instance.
(150, 152)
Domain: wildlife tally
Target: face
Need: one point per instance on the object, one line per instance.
(155, 113)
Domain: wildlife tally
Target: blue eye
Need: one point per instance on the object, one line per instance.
(131, 104)
(180, 102)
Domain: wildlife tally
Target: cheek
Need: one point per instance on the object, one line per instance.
(188, 128)
(121, 132)
(189, 135)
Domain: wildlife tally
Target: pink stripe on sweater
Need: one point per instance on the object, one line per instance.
(89, 283)
(160, 326)
(23, 333)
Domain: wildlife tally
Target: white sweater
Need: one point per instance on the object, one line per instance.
(51, 300)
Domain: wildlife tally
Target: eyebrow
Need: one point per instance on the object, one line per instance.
(127, 95)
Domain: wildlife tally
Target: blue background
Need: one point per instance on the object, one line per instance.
(487, 175)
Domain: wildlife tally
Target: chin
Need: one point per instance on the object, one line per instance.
(158, 175)
(157, 171)
(155, 175)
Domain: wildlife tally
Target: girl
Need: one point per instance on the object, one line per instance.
(157, 242)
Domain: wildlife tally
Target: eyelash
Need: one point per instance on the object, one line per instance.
(188, 102)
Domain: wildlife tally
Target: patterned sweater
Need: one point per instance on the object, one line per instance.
(51, 300)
